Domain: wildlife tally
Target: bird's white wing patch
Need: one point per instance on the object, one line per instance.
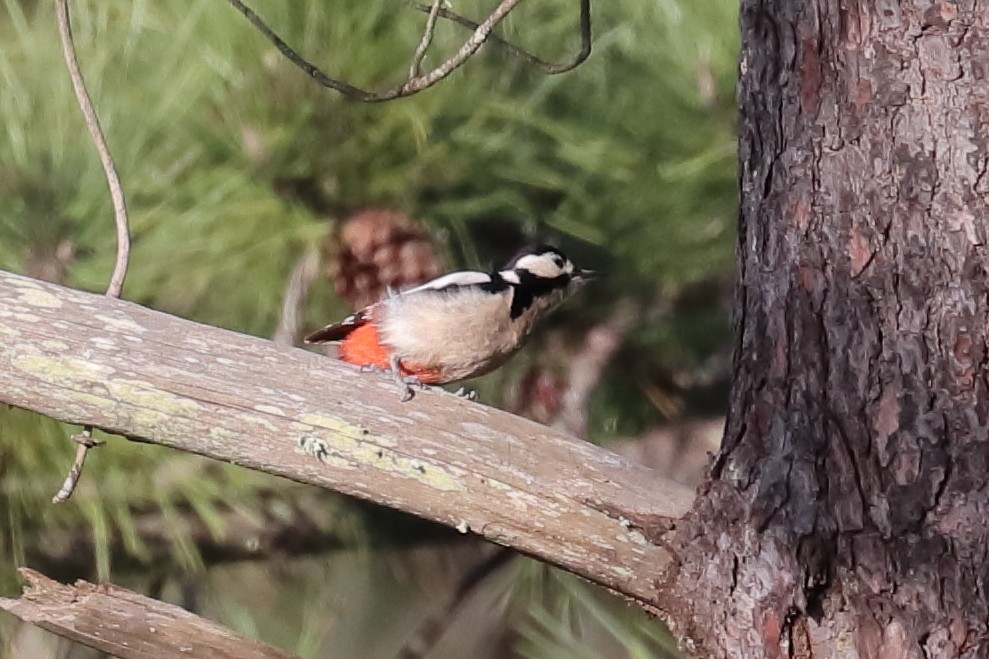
(466, 278)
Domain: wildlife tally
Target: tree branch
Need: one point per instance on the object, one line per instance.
(125, 624)
(99, 141)
(546, 67)
(83, 440)
(416, 83)
(427, 39)
(112, 364)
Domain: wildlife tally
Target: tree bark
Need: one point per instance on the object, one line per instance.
(846, 512)
(92, 360)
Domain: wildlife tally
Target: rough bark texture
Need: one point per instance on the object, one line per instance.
(847, 511)
(88, 359)
(125, 624)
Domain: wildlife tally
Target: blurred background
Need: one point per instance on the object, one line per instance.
(265, 204)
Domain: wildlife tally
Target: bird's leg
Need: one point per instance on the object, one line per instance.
(404, 382)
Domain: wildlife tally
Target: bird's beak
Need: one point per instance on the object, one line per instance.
(584, 275)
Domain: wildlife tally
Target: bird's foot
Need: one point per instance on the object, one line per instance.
(469, 394)
(407, 383)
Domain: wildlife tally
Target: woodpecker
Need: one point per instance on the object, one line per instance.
(458, 326)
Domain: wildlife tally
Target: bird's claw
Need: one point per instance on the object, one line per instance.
(469, 394)
(409, 383)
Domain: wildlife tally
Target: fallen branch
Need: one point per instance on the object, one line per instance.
(125, 624)
(115, 365)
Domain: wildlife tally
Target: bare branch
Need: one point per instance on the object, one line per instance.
(413, 85)
(544, 66)
(297, 414)
(314, 72)
(294, 301)
(99, 140)
(116, 284)
(84, 441)
(124, 624)
(427, 38)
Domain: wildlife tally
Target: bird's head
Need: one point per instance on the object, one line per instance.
(541, 278)
(546, 263)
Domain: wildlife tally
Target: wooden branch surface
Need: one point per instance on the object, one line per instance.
(125, 624)
(86, 359)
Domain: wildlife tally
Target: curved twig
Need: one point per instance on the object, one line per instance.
(116, 285)
(546, 67)
(427, 39)
(314, 72)
(99, 141)
(414, 85)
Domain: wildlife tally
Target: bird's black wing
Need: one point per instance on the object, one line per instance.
(339, 331)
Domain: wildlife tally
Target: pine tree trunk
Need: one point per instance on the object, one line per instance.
(847, 512)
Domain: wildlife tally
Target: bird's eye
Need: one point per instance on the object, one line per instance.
(558, 260)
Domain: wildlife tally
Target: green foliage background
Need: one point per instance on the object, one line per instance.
(234, 163)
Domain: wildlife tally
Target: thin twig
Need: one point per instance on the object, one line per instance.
(116, 285)
(408, 88)
(546, 67)
(84, 441)
(427, 38)
(99, 141)
(314, 72)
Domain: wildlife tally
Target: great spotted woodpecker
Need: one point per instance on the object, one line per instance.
(457, 326)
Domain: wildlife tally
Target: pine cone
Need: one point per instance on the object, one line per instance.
(378, 249)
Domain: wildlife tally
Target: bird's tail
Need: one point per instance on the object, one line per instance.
(340, 331)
